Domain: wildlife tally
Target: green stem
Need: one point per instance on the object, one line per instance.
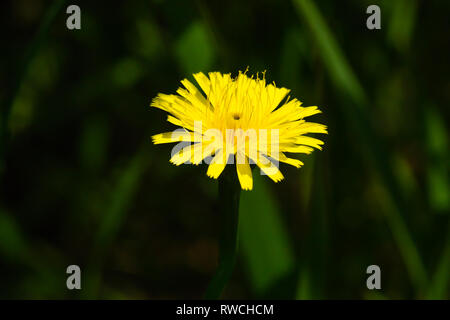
(229, 193)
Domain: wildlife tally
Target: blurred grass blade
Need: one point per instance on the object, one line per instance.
(291, 49)
(263, 238)
(440, 281)
(304, 290)
(23, 67)
(438, 160)
(339, 69)
(356, 114)
(404, 241)
(401, 23)
(12, 243)
(44, 274)
(217, 40)
(93, 144)
(314, 246)
(116, 209)
(120, 199)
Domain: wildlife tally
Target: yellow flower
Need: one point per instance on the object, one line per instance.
(242, 119)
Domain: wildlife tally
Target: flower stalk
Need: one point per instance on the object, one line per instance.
(229, 194)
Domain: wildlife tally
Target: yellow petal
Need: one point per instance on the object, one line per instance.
(175, 136)
(217, 165)
(175, 121)
(203, 82)
(245, 175)
(200, 152)
(274, 96)
(193, 95)
(182, 156)
(269, 168)
(293, 162)
(309, 141)
(311, 127)
(309, 111)
(298, 149)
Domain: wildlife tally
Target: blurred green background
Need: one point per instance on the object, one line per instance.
(81, 182)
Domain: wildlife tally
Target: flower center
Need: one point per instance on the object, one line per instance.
(236, 116)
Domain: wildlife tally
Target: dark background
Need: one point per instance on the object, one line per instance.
(81, 182)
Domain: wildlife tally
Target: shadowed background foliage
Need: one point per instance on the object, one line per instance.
(81, 182)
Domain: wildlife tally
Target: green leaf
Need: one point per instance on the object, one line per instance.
(263, 238)
(194, 49)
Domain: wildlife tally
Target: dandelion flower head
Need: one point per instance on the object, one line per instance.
(238, 121)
